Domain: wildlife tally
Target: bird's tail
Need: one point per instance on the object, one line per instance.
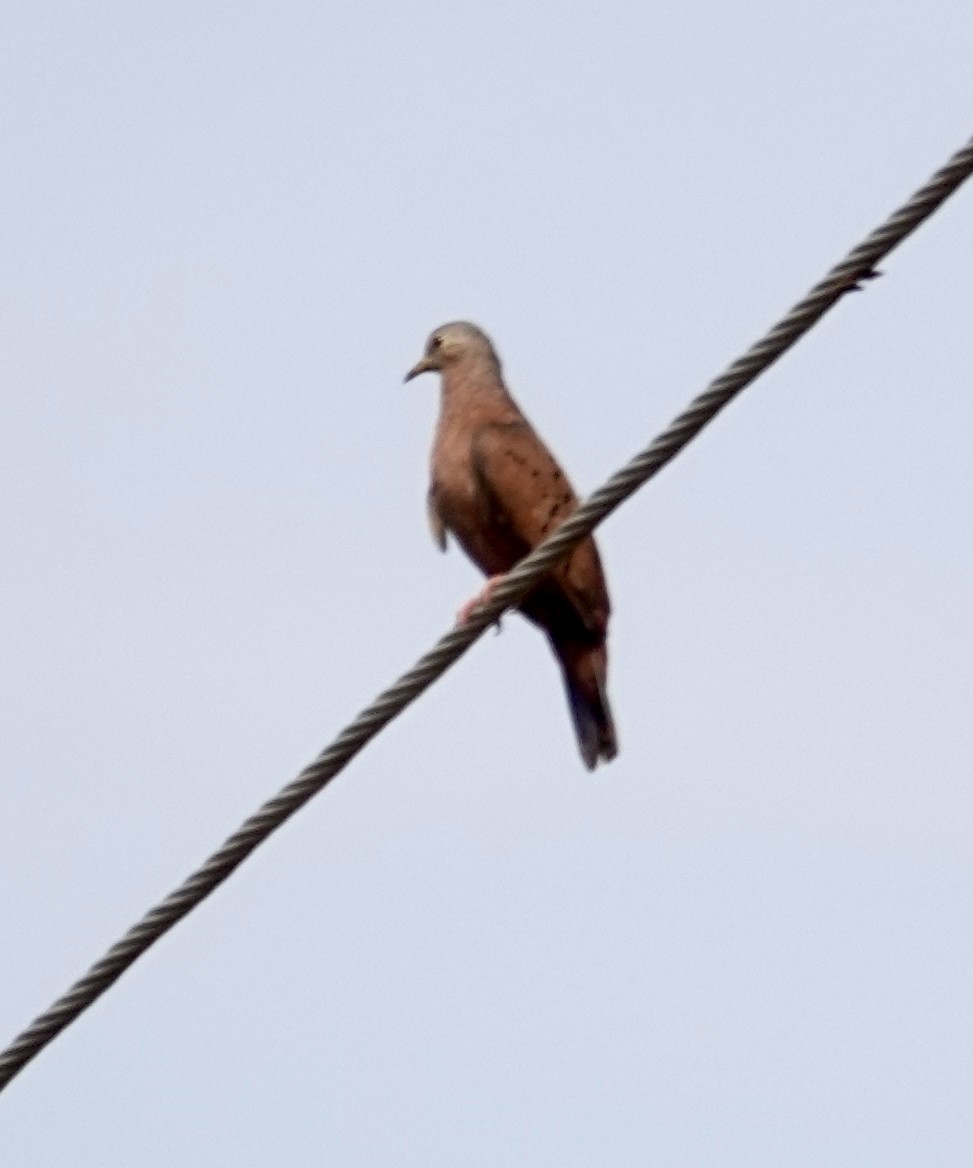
(585, 669)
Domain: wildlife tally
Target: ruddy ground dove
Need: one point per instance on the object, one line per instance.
(498, 490)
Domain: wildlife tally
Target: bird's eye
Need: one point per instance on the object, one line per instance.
(436, 343)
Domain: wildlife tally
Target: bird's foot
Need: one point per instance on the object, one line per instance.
(466, 611)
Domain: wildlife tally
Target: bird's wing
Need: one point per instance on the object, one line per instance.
(529, 493)
(518, 474)
(436, 524)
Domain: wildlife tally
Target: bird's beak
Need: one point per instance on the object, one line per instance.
(423, 366)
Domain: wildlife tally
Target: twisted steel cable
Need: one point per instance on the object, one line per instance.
(846, 276)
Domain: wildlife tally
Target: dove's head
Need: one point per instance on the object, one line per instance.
(450, 344)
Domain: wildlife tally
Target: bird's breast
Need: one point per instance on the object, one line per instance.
(465, 507)
(453, 479)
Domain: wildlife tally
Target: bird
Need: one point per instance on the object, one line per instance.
(498, 490)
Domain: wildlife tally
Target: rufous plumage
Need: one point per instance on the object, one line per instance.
(499, 491)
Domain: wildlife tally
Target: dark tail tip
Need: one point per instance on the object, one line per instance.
(584, 678)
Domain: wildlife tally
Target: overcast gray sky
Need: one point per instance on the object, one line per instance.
(226, 231)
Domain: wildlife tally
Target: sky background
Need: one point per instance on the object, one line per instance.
(226, 230)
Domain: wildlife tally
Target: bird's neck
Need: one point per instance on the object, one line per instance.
(473, 388)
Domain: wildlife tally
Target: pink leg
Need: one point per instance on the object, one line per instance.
(481, 598)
